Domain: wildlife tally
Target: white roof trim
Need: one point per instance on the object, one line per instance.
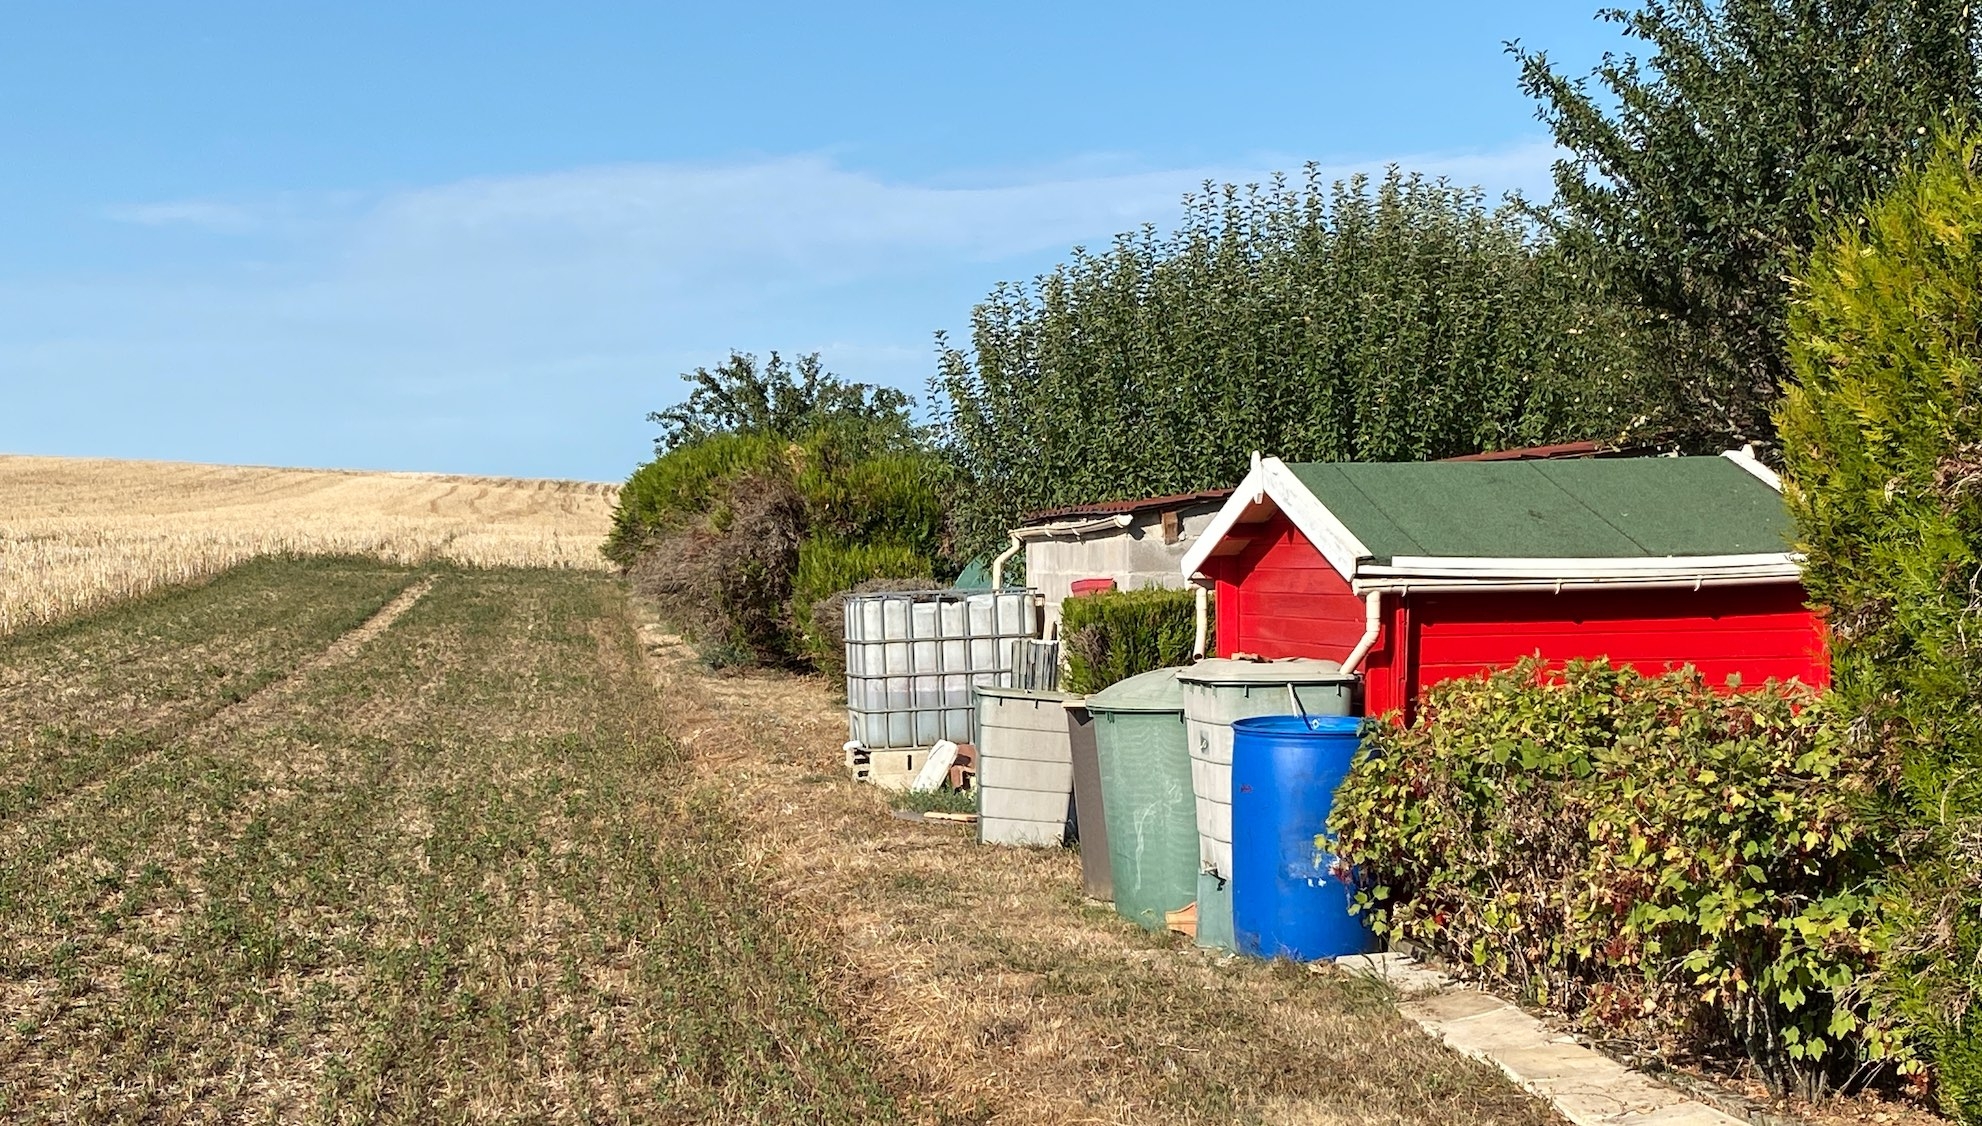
(1746, 459)
(1270, 479)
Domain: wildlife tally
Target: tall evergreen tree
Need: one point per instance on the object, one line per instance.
(1882, 439)
(1695, 178)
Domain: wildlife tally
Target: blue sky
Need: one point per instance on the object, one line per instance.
(488, 237)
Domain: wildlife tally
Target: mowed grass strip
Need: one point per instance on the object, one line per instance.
(1005, 997)
(456, 878)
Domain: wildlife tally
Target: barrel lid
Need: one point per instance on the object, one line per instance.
(1287, 670)
(1153, 691)
(1296, 724)
(1004, 693)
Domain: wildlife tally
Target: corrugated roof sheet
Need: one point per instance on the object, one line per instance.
(1117, 507)
(1652, 507)
(1544, 453)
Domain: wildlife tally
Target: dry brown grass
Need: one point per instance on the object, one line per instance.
(76, 533)
(1000, 995)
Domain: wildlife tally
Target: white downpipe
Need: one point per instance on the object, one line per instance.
(1372, 628)
(998, 564)
(1203, 622)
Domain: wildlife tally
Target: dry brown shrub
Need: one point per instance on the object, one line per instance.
(725, 579)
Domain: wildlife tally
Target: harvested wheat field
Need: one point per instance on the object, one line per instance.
(82, 532)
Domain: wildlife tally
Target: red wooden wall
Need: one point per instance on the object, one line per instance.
(1280, 598)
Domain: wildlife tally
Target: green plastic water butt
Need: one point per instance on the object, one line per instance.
(1147, 797)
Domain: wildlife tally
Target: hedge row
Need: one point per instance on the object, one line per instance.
(1113, 636)
(741, 536)
(1664, 862)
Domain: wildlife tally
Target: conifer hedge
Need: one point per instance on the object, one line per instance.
(1882, 438)
(1112, 636)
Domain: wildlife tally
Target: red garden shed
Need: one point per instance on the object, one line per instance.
(1413, 573)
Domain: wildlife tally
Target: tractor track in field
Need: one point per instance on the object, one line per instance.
(346, 646)
(232, 715)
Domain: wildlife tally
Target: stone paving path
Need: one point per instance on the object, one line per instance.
(1584, 1085)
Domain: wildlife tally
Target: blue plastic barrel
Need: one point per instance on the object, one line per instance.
(1290, 897)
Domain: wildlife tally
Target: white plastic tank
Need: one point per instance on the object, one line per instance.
(1220, 690)
(914, 657)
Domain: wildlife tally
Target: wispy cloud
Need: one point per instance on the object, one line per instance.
(207, 215)
(545, 303)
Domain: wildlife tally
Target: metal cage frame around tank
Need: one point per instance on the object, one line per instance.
(914, 657)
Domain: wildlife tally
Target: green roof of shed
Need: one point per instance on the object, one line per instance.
(1599, 508)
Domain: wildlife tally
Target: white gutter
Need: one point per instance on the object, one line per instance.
(1769, 565)
(1411, 584)
(1074, 528)
(1372, 627)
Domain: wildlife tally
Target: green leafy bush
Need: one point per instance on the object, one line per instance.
(1115, 635)
(774, 488)
(1882, 439)
(1659, 860)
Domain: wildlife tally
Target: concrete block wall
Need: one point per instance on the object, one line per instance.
(1135, 557)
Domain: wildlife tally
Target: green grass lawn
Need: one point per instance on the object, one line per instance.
(451, 874)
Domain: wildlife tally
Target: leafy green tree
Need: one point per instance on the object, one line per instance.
(1401, 320)
(1696, 177)
(1882, 439)
(771, 489)
(777, 398)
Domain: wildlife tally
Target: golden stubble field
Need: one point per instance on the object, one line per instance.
(77, 533)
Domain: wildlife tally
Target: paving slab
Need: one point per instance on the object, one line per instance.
(1559, 1062)
(1402, 972)
(1583, 1085)
(1451, 1005)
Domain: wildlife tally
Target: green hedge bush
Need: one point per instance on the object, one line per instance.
(1882, 439)
(1115, 635)
(739, 536)
(1659, 860)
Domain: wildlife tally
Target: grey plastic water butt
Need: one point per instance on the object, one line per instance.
(1216, 692)
(1090, 809)
(1025, 769)
(1146, 795)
